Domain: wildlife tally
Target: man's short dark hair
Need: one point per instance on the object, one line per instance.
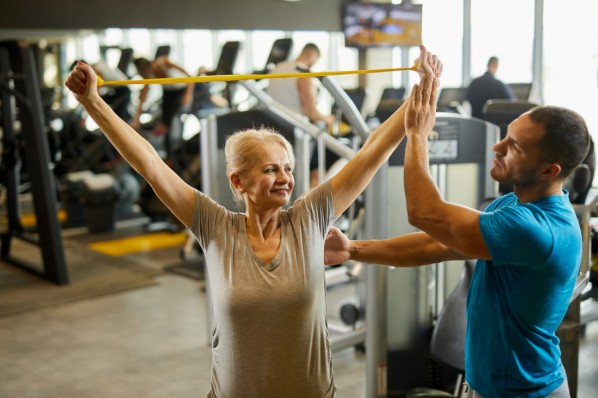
(566, 139)
(141, 64)
(311, 47)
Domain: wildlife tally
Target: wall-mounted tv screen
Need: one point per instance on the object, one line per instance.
(368, 24)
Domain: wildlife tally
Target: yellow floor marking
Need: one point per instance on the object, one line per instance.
(29, 219)
(140, 243)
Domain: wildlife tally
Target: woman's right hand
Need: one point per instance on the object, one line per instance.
(82, 82)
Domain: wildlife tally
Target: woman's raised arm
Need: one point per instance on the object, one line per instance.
(172, 190)
(359, 171)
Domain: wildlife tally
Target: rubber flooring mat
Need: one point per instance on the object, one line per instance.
(192, 268)
(91, 274)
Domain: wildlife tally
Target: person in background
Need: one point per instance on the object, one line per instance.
(528, 245)
(487, 87)
(265, 264)
(299, 95)
(174, 96)
(205, 102)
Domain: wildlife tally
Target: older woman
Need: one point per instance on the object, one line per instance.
(266, 265)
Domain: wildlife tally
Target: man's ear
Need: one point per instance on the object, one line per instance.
(551, 171)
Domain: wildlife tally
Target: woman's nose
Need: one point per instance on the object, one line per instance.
(282, 175)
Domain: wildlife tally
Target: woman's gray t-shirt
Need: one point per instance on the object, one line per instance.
(269, 331)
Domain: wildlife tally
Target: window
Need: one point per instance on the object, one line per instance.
(199, 50)
(442, 33)
(571, 59)
(140, 41)
(261, 44)
(504, 29)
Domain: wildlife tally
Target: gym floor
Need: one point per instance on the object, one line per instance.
(151, 342)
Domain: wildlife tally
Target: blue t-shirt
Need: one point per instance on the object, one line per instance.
(518, 299)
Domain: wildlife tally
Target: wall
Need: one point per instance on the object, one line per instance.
(174, 14)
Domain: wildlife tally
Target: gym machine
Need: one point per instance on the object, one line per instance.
(403, 303)
(19, 84)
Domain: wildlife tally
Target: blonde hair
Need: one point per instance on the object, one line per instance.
(240, 149)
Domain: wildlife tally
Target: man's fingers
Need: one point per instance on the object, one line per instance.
(425, 92)
(434, 92)
(426, 88)
(416, 95)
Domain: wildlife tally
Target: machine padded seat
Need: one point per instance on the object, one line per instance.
(448, 338)
(98, 189)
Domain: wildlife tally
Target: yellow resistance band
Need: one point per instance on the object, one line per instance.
(232, 78)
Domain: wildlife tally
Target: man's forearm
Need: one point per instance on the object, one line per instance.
(421, 193)
(408, 250)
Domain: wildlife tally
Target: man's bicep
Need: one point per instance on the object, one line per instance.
(459, 229)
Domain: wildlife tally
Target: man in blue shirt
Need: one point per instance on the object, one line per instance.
(528, 246)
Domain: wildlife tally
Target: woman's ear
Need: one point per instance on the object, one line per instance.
(235, 181)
